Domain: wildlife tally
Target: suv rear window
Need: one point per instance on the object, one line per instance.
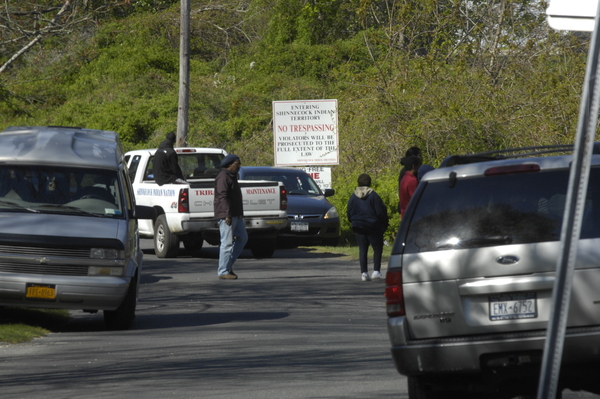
(497, 210)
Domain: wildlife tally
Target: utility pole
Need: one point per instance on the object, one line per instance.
(184, 74)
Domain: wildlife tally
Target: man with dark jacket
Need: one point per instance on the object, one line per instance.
(166, 167)
(229, 212)
(368, 215)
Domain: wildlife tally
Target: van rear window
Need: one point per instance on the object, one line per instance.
(497, 210)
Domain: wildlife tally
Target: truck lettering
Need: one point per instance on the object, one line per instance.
(259, 202)
(260, 191)
(158, 192)
(204, 192)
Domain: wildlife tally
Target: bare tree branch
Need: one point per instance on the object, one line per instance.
(37, 38)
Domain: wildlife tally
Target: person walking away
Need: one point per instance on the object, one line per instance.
(229, 211)
(166, 166)
(409, 182)
(368, 215)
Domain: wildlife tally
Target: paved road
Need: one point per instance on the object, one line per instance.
(298, 325)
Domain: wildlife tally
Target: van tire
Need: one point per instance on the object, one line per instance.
(166, 244)
(122, 317)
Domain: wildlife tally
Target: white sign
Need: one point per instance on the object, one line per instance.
(576, 15)
(320, 174)
(305, 132)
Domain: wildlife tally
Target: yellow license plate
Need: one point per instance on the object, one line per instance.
(41, 291)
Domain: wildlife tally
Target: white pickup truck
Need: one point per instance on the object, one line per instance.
(185, 211)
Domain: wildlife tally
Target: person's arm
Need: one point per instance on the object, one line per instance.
(221, 196)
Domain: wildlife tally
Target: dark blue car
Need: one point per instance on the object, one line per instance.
(312, 219)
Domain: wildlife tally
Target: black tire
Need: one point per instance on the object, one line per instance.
(122, 317)
(263, 248)
(193, 242)
(166, 244)
(331, 242)
(417, 389)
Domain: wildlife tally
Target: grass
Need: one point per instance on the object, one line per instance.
(24, 324)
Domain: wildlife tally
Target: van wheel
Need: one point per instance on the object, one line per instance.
(263, 249)
(166, 244)
(417, 389)
(193, 242)
(122, 317)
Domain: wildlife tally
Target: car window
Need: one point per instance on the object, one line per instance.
(295, 183)
(133, 167)
(497, 210)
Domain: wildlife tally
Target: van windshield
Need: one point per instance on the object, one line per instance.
(67, 190)
(497, 210)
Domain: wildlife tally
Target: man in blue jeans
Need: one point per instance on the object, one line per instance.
(229, 211)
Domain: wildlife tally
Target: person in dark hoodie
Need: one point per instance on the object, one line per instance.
(166, 167)
(368, 215)
(229, 211)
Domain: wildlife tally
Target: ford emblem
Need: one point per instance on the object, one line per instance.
(507, 260)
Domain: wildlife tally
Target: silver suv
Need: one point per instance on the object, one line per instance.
(469, 283)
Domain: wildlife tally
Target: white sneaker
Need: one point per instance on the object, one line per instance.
(365, 277)
(377, 275)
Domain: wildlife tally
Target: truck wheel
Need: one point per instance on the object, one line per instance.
(263, 249)
(122, 317)
(193, 242)
(166, 244)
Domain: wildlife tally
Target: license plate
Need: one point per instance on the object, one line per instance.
(299, 226)
(40, 291)
(516, 305)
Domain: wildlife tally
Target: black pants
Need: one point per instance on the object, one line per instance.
(364, 239)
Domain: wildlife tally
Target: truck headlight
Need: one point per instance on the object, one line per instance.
(331, 213)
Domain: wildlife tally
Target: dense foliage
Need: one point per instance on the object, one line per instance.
(448, 76)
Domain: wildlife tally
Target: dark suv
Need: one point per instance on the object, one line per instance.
(469, 283)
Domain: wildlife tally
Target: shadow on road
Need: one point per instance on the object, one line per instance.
(212, 252)
(94, 322)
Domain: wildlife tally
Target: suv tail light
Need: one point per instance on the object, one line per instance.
(282, 198)
(183, 205)
(393, 294)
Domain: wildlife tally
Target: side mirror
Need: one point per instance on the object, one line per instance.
(144, 212)
(329, 192)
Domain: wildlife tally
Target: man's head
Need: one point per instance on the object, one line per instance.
(364, 180)
(171, 137)
(231, 162)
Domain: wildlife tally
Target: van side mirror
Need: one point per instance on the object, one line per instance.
(144, 212)
(329, 192)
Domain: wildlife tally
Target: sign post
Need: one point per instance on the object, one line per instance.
(561, 13)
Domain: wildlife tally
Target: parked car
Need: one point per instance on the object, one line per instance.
(312, 219)
(68, 223)
(469, 282)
